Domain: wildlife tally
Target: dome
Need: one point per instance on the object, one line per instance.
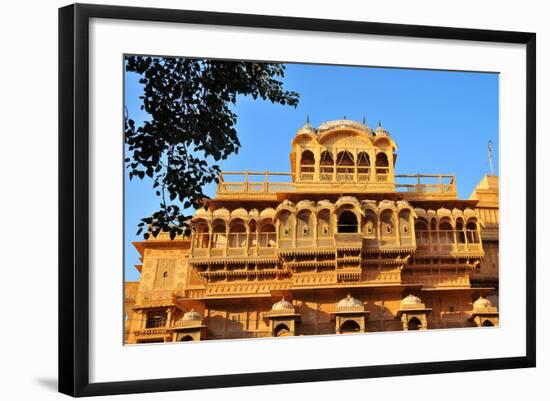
(267, 213)
(239, 213)
(203, 213)
(329, 125)
(221, 213)
(482, 303)
(305, 204)
(349, 302)
(192, 315)
(411, 301)
(381, 131)
(282, 305)
(306, 129)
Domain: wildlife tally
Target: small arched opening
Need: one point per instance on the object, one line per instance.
(281, 330)
(326, 166)
(307, 165)
(382, 167)
(369, 225)
(345, 166)
(286, 227)
(323, 224)
(347, 222)
(349, 326)
(414, 324)
(487, 323)
(304, 221)
(186, 338)
(405, 226)
(387, 226)
(363, 167)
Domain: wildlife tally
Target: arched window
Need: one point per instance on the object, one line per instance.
(219, 235)
(323, 224)
(349, 326)
(414, 324)
(363, 167)
(421, 232)
(268, 236)
(307, 165)
(327, 166)
(472, 232)
(446, 235)
(404, 223)
(369, 225)
(347, 222)
(286, 229)
(237, 234)
(345, 166)
(382, 167)
(305, 223)
(200, 236)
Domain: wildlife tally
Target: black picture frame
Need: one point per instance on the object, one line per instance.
(74, 198)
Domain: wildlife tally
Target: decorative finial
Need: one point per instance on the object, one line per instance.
(364, 121)
(307, 119)
(345, 118)
(379, 124)
(490, 150)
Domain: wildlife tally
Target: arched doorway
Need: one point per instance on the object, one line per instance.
(282, 330)
(186, 338)
(349, 326)
(487, 323)
(414, 324)
(347, 222)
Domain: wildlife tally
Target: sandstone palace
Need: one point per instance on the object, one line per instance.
(341, 244)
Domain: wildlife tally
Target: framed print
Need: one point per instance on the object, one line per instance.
(295, 199)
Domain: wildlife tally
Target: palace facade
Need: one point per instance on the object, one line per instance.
(341, 244)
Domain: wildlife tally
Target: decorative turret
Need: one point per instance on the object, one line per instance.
(413, 313)
(484, 314)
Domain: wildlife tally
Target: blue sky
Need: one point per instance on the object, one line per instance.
(440, 120)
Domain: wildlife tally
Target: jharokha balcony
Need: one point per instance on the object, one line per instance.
(266, 244)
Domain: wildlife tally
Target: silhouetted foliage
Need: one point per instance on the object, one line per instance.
(189, 103)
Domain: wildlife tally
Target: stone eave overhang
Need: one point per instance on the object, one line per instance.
(140, 246)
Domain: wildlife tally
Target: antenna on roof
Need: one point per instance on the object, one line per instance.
(490, 152)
